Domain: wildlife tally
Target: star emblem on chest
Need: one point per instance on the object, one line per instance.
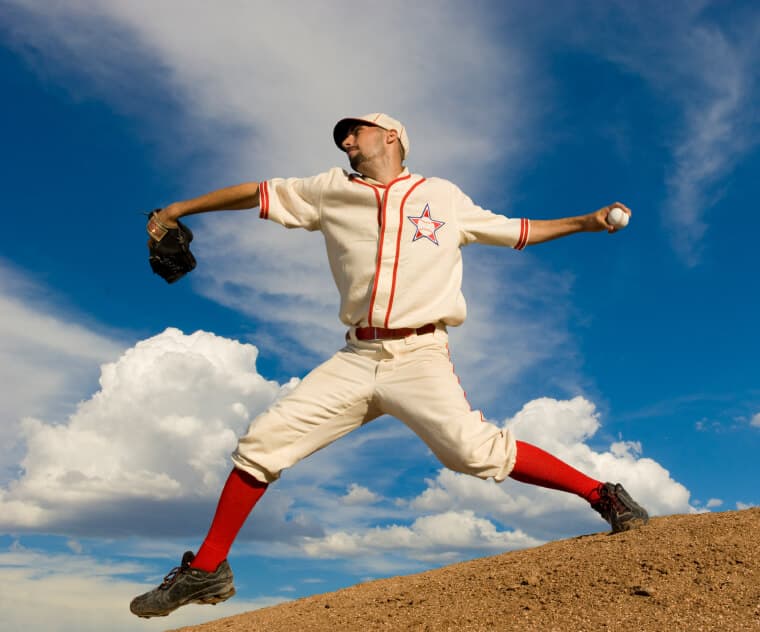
(425, 226)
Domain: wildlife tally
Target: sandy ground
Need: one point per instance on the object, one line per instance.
(683, 572)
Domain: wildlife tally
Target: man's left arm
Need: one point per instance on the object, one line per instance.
(542, 230)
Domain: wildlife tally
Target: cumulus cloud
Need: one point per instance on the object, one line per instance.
(755, 421)
(358, 495)
(563, 428)
(159, 430)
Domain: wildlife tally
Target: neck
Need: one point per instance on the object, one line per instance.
(382, 171)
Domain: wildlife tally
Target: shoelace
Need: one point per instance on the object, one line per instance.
(603, 506)
(172, 575)
(610, 502)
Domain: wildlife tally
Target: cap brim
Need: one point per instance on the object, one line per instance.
(340, 131)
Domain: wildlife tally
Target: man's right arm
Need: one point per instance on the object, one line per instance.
(234, 198)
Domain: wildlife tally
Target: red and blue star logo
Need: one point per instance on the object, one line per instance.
(425, 225)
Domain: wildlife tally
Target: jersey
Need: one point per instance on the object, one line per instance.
(394, 250)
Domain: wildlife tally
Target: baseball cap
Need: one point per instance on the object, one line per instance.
(377, 118)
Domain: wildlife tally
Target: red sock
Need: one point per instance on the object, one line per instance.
(536, 467)
(241, 492)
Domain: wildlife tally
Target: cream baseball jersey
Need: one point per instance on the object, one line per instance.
(394, 250)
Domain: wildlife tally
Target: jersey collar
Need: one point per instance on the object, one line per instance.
(357, 176)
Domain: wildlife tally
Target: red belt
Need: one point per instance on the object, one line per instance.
(381, 333)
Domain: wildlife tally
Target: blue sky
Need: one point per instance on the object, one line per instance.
(633, 356)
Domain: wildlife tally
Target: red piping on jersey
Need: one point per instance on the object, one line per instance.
(375, 189)
(380, 245)
(398, 248)
(264, 200)
(524, 234)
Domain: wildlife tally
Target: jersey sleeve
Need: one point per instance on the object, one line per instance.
(478, 225)
(292, 202)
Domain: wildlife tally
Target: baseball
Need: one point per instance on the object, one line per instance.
(618, 217)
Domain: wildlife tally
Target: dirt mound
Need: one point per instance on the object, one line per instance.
(684, 572)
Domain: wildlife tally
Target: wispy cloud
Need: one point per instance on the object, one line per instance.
(283, 100)
(702, 59)
(718, 115)
(237, 75)
(49, 356)
(433, 538)
(53, 592)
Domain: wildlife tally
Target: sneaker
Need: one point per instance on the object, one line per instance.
(618, 508)
(185, 585)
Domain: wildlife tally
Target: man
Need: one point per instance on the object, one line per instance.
(393, 242)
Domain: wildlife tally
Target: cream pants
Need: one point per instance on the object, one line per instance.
(411, 379)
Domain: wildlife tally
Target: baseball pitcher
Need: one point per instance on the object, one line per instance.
(393, 241)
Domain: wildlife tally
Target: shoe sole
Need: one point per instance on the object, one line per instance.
(215, 599)
(631, 523)
(211, 599)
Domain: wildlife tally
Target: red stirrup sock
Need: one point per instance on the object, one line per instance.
(536, 467)
(241, 492)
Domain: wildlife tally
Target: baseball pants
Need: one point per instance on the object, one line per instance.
(411, 379)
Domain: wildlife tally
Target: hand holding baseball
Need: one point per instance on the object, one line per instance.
(618, 217)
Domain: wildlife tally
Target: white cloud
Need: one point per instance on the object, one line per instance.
(160, 429)
(136, 441)
(456, 516)
(755, 421)
(441, 537)
(562, 428)
(47, 359)
(358, 495)
(712, 141)
(714, 502)
(706, 66)
(49, 592)
(523, 307)
(229, 69)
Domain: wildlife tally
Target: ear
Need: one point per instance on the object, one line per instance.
(391, 137)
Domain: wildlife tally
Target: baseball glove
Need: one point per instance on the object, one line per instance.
(170, 256)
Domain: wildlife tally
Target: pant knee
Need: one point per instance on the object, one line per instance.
(492, 459)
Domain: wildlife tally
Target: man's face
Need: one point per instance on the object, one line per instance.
(363, 143)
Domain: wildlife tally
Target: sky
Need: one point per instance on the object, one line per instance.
(632, 356)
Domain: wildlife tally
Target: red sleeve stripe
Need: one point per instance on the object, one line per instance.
(264, 200)
(524, 234)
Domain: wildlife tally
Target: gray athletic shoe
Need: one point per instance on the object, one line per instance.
(185, 585)
(618, 508)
